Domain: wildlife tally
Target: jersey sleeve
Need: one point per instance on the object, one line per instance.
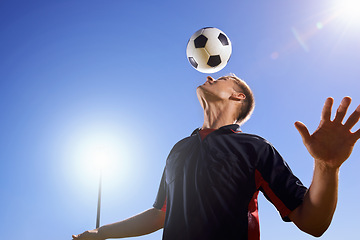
(275, 179)
(160, 201)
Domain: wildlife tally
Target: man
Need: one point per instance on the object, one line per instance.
(211, 179)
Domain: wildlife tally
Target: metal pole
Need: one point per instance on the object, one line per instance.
(99, 202)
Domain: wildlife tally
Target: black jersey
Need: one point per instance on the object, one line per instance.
(210, 186)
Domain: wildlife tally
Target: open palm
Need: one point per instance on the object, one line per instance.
(332, 142)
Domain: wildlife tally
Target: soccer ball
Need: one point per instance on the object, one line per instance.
(209, 50)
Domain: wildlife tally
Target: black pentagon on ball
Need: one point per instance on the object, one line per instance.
(193, 62)
(223, 39)
(214, 61)
(200, 41)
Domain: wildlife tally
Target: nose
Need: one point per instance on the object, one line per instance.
(209, 79)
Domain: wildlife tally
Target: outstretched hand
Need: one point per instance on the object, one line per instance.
(88, 235)
(332, 142)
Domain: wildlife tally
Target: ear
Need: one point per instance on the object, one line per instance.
(237, 96)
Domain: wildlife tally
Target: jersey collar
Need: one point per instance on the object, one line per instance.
(232, 128)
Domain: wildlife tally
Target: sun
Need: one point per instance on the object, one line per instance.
(99, 150)
(348, 10)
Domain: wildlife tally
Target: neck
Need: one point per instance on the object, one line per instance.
(217, 114)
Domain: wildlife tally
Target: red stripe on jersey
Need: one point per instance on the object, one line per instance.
(253, 219)
(164, 206)
(236, 131)
(260, 182)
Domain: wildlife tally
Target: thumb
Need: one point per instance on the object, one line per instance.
(304, 132)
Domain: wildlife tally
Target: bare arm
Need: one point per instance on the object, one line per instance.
(330, 145)
(144, 223)
(315, 214)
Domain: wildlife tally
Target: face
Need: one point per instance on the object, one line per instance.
(222, 88)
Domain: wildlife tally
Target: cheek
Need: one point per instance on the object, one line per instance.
(225, 91)
(224, 94)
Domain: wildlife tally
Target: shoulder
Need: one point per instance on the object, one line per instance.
(255, 144)
(184, 143)
(250, 138)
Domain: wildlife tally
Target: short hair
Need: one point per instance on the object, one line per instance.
(249, 102)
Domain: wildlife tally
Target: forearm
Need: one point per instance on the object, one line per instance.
(141, 224)
(315, 214)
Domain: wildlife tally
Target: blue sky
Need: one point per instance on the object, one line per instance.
(79, 74)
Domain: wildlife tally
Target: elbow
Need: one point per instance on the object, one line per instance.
(311, 226)
(316, 232)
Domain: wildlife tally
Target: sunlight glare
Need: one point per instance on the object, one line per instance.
(100, 152)
(349, 10)
(96, 150)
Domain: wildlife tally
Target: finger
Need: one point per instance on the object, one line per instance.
(326, 112)
(304, 132)
(353, 119)
(357, 135)
(342, 109)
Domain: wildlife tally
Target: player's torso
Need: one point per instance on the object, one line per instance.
(211, 182)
